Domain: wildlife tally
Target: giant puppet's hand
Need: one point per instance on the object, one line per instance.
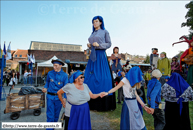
(95, 44)
(89, 45)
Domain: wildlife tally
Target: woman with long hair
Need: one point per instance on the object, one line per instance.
(175, 66)
(131, 117)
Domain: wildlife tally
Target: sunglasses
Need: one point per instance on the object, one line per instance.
(82, 77)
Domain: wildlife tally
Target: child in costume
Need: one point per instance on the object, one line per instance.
(131, 117)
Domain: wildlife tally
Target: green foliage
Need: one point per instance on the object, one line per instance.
(136, 56)
(179, 54)
(147, 59)
(189, 19)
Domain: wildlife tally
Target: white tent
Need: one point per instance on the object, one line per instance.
(48, 63)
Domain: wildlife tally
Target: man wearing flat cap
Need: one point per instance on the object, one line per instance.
(154, 98)
(56, 79)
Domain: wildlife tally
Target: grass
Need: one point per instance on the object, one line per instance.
(114, 117)
(191, 114)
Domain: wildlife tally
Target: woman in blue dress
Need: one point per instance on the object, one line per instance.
(177, 94)
(78, 94)
(98, 74)
(116, 58)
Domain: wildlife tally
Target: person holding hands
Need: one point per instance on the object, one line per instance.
(56, 79)
(131, 117)
(154, 98)
(78, 94)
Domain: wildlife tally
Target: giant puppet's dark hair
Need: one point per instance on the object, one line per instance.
(101, 20)
(115, 48)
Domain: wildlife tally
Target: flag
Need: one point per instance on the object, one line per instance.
(33, 57)
(9, 52)
(0, 51)
(29, 59)
(4, 50)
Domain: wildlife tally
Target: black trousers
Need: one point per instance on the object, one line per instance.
(143, 96)
(120, 94)
(146, 82)
(175, 121)
(66, 122)
(7, 81)
(159, 119)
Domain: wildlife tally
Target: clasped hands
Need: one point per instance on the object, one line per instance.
(94, 44)
(146, 108)
(149, 110)
(102, 94)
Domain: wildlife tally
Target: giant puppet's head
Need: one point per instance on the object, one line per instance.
(190, 42)
(115, 50)
(100, 20)
(187, 52)
(154, 50)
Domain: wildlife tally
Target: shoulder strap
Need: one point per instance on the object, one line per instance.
(152, 89)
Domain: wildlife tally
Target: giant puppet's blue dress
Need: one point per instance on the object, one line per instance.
(98, 74)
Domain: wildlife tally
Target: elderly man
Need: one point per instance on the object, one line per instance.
(164, 66)
(56, 79)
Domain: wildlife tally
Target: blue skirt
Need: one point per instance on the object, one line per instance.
(115, 69)
(99, 78)
(131, 117)
(79, 117)
(98, 74)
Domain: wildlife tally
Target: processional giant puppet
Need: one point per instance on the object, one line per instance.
(187, 58)
(154, 58)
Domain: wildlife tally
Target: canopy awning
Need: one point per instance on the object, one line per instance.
(48, 63)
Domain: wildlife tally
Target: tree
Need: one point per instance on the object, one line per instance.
(179, 54)
(189, 19)
(136, 56)
(147, 59)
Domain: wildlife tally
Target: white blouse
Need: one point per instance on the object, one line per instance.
(128, 91)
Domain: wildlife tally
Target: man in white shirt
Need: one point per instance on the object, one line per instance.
(25, 77)
(114, 74)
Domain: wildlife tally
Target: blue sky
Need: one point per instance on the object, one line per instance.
(135, 27)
